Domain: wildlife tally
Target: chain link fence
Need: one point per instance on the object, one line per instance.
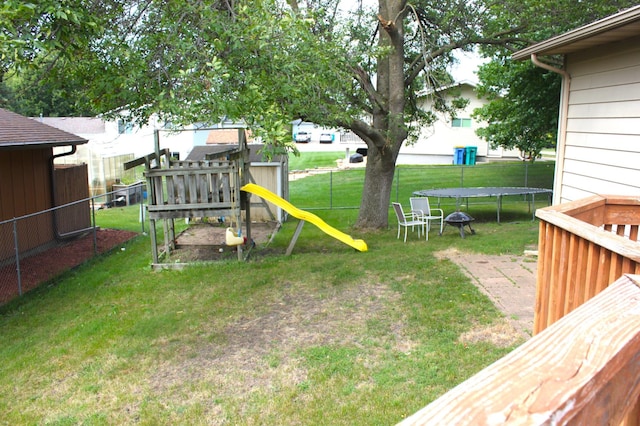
(28, 243)
(32, 246)
(312, 195)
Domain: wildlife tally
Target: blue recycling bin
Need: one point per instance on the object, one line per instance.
(470, 155)
(458, 155)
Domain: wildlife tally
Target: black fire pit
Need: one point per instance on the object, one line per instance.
(459, 220)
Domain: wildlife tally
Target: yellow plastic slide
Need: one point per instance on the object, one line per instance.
(304, 215)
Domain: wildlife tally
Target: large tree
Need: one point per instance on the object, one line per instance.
(38, 39)
(34, 92)
(269, 62)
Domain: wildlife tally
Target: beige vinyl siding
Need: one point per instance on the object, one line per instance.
(585, 186)
(602, 151)
(596, 157)
(618, 109)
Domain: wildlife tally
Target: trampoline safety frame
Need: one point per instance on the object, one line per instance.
(480, 192)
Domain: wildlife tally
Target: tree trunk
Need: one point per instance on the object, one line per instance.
(376, 191)
(388, 132)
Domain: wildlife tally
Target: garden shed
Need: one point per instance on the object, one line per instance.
(30, 183)
(598, 146)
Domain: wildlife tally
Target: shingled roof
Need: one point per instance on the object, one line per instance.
(199, 153)
(17, 131)
(620, 26)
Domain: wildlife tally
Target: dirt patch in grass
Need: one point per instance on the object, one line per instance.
(205, 241)
(501, 334)
(264, 351)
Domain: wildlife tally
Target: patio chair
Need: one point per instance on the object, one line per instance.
(421, 210)
(407, 220)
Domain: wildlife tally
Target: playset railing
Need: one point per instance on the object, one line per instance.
(184, 191)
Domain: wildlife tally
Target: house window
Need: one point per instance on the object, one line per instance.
(124, 127)
(461, 122)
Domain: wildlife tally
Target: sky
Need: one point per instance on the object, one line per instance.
(467, 66)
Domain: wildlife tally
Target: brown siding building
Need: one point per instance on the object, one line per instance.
(28, 181)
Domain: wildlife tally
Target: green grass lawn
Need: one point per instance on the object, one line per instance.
(328, 335)
(311, 160)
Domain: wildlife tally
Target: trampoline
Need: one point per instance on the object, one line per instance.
(497, 191)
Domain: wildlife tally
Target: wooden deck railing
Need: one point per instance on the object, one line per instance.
(582, 370)
(582, 366)
(583, 247)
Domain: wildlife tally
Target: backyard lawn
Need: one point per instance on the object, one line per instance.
(328, 335)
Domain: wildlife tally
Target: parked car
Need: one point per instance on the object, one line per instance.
(303, 137)
(326, 138)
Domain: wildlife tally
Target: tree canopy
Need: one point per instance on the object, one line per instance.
(269, 62)
(522, 112)
(524, 115)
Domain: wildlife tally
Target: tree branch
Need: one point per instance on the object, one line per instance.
(365, 82)
(365, 132)
(423, 60)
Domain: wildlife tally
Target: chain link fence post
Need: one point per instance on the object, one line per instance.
(95, 228)
(17, 250)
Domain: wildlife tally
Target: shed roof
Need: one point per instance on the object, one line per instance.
(613, 28)
(198, 153)
(19, 132)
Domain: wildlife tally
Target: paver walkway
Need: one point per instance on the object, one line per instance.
(508, 280)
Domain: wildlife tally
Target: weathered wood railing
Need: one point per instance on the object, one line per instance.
(584, 246)
(582, 366)
(582, 370)
(193, 190)
(185, 189)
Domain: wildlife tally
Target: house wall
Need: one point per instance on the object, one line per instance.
(25, 188)
(602, 149)
(436, 144)
(25, 180)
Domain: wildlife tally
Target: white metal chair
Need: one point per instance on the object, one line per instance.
(407, 220)
(421, 210)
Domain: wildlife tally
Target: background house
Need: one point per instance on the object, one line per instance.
(436, 143)
(598, 149)
(111, 143)
(30, 183)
